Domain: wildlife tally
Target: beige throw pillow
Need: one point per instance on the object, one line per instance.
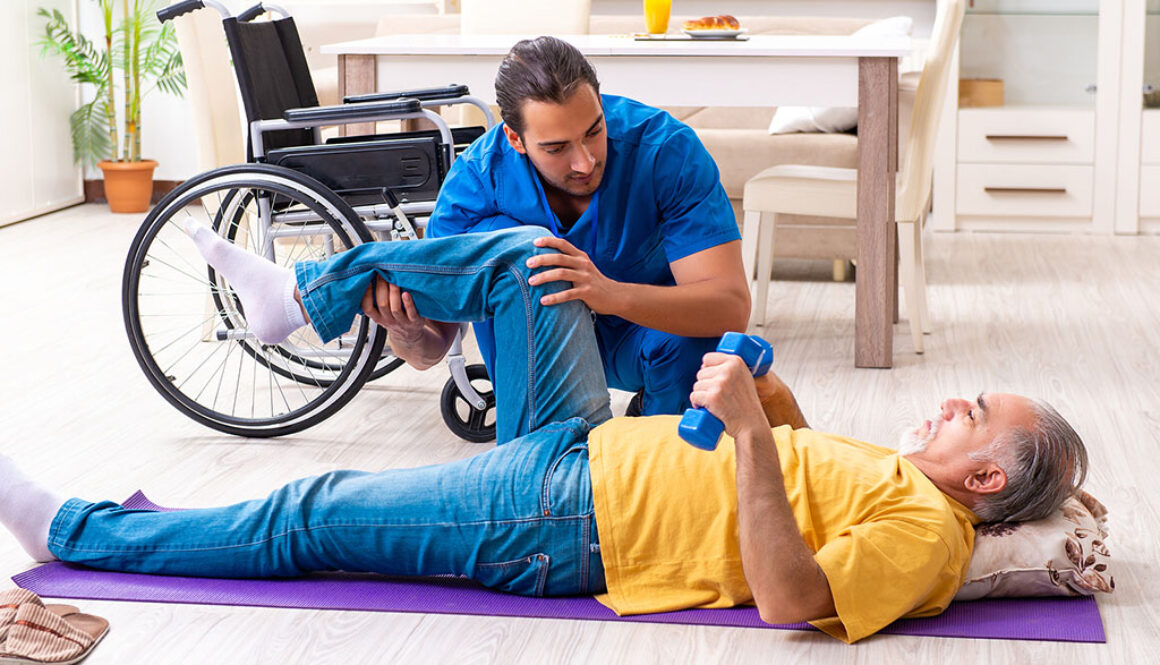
(1062, 555)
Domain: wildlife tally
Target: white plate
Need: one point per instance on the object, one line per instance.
(714, 34)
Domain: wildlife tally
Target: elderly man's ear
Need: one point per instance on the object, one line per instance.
(987, 479)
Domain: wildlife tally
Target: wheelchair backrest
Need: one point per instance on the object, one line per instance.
(272, 75)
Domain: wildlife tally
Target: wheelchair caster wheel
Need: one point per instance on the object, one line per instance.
(462, 418)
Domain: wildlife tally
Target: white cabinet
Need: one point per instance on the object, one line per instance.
(1138, 200)
(1149, 187)
(37, 174)
(1046, 159)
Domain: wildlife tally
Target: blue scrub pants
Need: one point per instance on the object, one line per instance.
(518, 518)
(664, 366)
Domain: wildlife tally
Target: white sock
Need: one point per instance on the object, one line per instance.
(265, 288)
(27, 509)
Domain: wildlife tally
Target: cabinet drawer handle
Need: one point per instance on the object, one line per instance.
(1025, 190)
(1026, 137)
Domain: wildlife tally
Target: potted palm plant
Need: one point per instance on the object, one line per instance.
(138, 56)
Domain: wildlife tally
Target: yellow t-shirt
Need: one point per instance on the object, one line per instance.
(890, 543)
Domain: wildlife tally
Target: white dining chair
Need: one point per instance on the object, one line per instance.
(796, 189)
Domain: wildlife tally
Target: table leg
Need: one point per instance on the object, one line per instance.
(356, 76)
(876, 283)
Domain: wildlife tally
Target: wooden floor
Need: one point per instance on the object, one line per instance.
(1072, 319)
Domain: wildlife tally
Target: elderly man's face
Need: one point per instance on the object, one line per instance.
(942, 444)
(566, 142)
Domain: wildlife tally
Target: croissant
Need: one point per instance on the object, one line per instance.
(721, 22)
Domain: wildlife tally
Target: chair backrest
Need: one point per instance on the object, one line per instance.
(272, 75)
(916, 168)
(525, 17)
(217, 120)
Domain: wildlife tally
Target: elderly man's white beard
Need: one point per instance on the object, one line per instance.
(911, 442)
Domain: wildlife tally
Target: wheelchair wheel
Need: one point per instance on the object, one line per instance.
(466, 421)
(188, 331)
(229, 228)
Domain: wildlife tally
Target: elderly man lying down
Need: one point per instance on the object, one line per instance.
(807, 526)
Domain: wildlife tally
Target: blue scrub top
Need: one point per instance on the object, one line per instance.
(660, 199)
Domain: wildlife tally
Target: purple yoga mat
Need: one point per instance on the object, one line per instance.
(1056, 619)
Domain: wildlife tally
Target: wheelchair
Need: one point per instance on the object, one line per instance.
(296, 198)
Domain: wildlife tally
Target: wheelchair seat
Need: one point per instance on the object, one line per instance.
(387, 171)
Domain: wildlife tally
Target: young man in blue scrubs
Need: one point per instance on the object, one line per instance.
(644, 229)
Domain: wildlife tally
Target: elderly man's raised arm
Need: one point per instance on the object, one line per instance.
(778, 402)
(787, 583)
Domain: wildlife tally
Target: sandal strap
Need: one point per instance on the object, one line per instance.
(38, 634)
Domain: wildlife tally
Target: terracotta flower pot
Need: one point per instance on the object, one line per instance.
(128, 185)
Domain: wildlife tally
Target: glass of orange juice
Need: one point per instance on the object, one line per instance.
(656, 16)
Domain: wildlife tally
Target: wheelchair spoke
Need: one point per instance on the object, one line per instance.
(186, 332)
(222, 375)
(201, 280)
(195, 370)
(237, 389)
(273, 378)
(181, 255)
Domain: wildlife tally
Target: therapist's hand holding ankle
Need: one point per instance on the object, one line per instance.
(419, 341)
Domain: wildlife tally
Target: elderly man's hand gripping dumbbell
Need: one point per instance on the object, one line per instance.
(715, 393)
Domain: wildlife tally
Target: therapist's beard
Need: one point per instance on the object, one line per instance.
(912, 443)
(572, 188)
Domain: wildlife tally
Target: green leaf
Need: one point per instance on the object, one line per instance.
(90, 135)
(83, 62)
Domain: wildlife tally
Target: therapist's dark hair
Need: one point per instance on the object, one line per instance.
(544, 69)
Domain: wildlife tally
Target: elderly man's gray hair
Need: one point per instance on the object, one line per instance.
(1044, 465)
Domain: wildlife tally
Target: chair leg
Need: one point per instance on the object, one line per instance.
(750, 229)
(764, 268)
(750, 236)
(909, 281)
(920, 275)
(841, 270)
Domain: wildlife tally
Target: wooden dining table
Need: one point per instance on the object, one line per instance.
(760, 70)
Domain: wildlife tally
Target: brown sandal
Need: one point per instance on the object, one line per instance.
(32, 632)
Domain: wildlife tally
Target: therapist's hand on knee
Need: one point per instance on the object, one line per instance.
(394, 309)
(573, 265)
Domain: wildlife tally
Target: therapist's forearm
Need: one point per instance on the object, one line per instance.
(698, 309)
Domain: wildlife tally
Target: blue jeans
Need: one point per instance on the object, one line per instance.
(518, 518)
(550, 369)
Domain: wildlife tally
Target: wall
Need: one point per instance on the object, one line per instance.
(37, 173)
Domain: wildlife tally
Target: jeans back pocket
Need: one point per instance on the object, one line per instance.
(525, 576)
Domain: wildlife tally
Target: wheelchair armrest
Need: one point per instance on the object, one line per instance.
(352, 112)
(449, 92)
